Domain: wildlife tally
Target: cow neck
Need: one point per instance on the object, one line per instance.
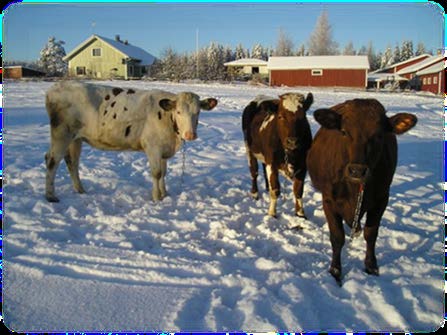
(174, 125)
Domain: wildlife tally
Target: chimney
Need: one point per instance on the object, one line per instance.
(117, 38)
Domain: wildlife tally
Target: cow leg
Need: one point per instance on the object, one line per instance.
(155, 163)
(298, 186)
(337, 238)
(72, 161)
(253, 165)
(370, 233)
(53, 158)
(264, 170)
(272, 175)
(162, 184)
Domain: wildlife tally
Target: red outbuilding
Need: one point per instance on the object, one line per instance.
(319, 71)
(432, 78)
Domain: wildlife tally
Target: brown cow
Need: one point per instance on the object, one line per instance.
(356, 145)
(277, 133)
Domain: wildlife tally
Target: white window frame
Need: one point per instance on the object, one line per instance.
(435, 80)
(429, 81)
(424, 81)
(97, 49)
(317, 72)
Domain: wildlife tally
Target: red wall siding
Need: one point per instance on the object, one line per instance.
(343, 78)
(434, 88)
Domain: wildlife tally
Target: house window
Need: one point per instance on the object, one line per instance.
(254, 70)
(80, 70)
(429, 80)
(96, 52)
(435, 80)
(424, 81)
(318, 72)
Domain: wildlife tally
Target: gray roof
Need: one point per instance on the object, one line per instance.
(127, 50)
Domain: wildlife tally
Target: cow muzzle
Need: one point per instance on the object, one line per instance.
(291, 143)
(189, 136)
(356, 172)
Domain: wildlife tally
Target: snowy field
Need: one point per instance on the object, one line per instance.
(207, 258)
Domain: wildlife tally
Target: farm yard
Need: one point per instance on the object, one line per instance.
(207, 257)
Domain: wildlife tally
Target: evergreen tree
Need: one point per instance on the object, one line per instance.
(51, 58)
(387, 58)
(321, 42)
(284, 45)
(301, 50)
(257, 51)
(397, 56)
(349, 49)
(407, 50)
(420, 49)
(240, 52)
(374, 60)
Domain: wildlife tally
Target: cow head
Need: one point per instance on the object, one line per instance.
(363, 127)
(185, 111)
(291, 113)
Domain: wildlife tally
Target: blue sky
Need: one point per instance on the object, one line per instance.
(155, 26)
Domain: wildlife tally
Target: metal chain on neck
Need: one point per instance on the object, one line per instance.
(358, 207)
(182, 178)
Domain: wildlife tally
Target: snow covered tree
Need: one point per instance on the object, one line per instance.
(51, 58)
(420, 49)
(349, 49)
(284, 45)
(373, 58)
(397, 56)
(215, 55)
(407, 50)
(321, 42)
(240, 52)
(257, 51)
(387, 58)
(301, 50)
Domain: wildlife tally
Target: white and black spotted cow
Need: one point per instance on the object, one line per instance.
(277, 133)
(112, 118)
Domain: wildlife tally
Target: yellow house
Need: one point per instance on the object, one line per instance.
(105, 58)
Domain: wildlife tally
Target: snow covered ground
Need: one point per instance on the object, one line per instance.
(207, 258)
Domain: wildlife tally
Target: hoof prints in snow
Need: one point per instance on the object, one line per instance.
(207, 258)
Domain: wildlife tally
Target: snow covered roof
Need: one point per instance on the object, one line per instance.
(435, 68)
(247, 62)
(385, 77)
(418, 66)
(405, 61)
(318, 62)
(127, 50)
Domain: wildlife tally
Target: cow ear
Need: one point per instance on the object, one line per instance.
(328, 118)
(308, 102)
(167, 104)
(208, 104)
(270, 106)
(402, 122)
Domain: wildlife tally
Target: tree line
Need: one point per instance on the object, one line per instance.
(208, 62)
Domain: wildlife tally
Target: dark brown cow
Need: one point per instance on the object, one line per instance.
(356, 145)
(277, 133)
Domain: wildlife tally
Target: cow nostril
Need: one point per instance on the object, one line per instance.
(292, 142)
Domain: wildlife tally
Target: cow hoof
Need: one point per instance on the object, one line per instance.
(336, 273)
(255, 195)
(52, 198)
(301, 215)
(372, 271)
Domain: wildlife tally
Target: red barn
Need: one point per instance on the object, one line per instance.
(399, 66)
(410, 71)
(323, 71)
(433, 78)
